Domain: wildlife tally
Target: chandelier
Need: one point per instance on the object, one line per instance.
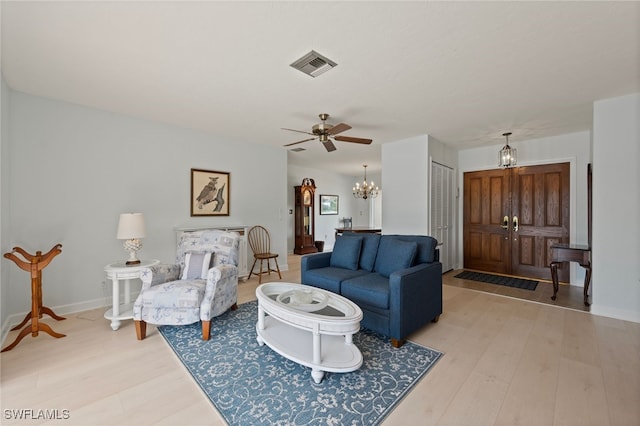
(366, 189)
(507, 156)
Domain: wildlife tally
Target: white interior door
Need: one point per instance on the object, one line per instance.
(375, 211)
(442, 212)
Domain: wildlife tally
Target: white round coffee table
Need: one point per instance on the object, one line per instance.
(310, 326)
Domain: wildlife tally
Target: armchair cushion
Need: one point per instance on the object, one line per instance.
(394, 255)
(346, 253)
(196, 265)
(174, 302)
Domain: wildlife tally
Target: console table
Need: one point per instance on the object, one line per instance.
(581, 254)
(359, 230)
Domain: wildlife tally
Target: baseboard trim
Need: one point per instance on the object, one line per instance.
(621, 314)
(61, 310)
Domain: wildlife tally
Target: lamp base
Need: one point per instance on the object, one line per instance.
(132, 246)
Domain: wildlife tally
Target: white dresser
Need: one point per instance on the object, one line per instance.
(243, 267)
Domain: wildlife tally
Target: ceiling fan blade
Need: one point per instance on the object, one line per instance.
(295, 143)
(338, 128)
(354, 140)
(329, 146)
(299, 131)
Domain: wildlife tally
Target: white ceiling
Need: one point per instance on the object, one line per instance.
(462, 72)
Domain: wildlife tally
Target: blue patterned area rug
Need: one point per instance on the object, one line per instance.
(251, 384)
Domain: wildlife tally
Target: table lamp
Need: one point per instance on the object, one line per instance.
(131, 229)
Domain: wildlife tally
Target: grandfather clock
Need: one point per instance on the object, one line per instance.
(304, 216)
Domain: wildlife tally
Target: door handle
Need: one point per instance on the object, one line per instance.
(515, 224)
(505, 223)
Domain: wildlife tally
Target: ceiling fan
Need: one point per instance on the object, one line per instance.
(322, 131)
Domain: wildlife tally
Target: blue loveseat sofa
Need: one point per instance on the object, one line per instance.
(395, 279)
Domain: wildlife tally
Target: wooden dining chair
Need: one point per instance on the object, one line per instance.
(260, 243)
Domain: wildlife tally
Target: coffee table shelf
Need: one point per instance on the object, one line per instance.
(322, 340)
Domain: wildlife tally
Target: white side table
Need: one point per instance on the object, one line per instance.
(117, 272)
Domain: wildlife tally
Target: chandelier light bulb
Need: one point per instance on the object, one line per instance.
(366, 190)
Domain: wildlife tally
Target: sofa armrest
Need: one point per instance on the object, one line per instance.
(158, 274)
(415, 298)
(315, 261)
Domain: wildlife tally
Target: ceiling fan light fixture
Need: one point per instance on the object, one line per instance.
(314, 64)
(324, 132)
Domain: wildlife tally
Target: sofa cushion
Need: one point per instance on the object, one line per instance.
(346, 253)
(394, 255)
(329, 278)
(371, 289)
(426, 247)
(369, 249)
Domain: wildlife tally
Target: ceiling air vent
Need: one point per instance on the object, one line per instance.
(313, 64)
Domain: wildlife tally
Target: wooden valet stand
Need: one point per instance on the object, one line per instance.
(35, 264)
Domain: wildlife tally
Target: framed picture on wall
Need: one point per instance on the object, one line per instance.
(328, 204)
(209, 193)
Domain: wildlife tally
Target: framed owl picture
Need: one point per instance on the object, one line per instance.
(209, 193)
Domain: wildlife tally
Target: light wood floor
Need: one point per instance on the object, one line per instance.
(568, 296)
(506, 362)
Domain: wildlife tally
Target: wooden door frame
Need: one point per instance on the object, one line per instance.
(573, 196)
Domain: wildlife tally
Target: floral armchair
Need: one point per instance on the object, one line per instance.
(202, 284)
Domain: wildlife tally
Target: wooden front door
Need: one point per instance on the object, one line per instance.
(513, 216)
(486, 202)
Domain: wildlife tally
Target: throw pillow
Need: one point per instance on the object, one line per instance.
(369, 249)
(196, 265)
(394, 255)
(346, 253)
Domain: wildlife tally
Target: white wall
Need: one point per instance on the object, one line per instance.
(405, 170)
(75, 169)
(407, 182)
(4, 197)
(443, 154)
(326, 184)
(616, 208)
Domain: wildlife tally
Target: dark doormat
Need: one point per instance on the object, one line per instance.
(499, 279)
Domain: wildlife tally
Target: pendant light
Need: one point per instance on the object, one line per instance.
(507, 156)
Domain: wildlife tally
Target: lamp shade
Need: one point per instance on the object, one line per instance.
(131, 225)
